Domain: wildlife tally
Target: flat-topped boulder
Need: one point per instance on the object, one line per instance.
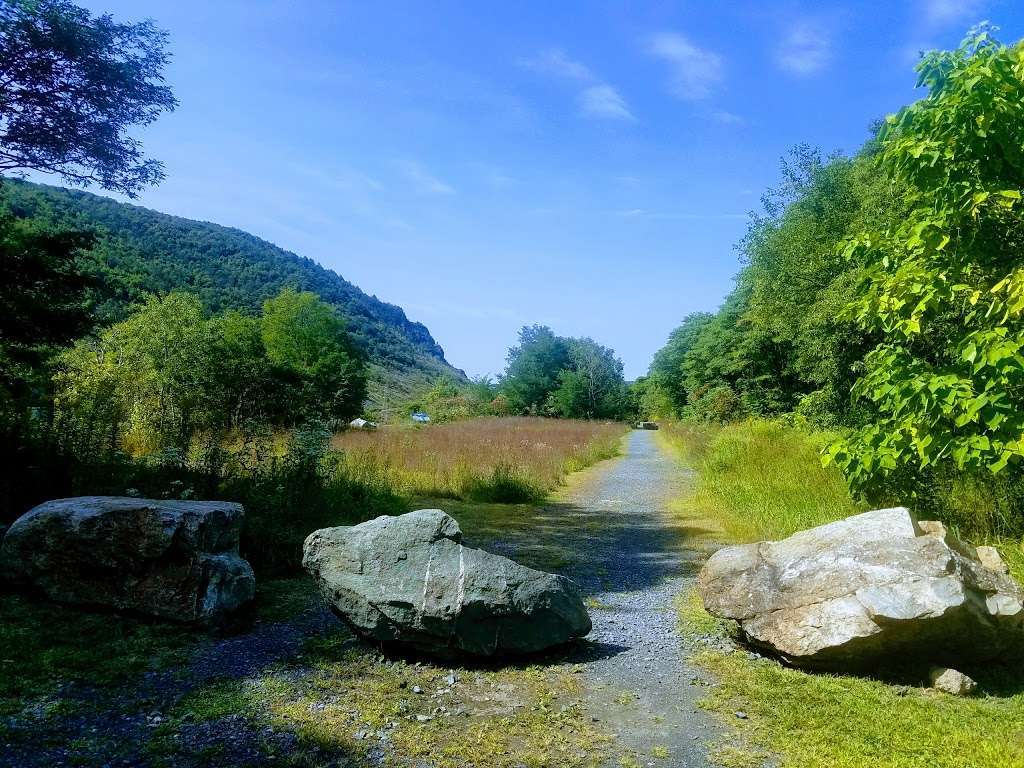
(873, 587)
(408, 581)
(174, 560)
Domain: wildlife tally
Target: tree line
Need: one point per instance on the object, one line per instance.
(881, 296)
(545, 375)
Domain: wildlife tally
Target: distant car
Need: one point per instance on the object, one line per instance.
(646, 425)
(420, 417)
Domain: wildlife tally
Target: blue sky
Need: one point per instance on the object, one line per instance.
(588, 166)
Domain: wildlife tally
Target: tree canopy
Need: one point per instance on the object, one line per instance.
(944, 286)
(72, 86)
(882, 295)
(170, 371)
(567, 377)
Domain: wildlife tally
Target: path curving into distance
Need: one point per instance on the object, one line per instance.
(634, 561)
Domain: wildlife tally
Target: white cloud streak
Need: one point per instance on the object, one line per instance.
(806, 49)
(597, 98)
(694, 71)
(424, 182)
(942, 12)
(604, 101)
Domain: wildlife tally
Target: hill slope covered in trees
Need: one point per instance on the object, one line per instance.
(141, 251)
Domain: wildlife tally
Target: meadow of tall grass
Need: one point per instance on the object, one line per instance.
(491, 459)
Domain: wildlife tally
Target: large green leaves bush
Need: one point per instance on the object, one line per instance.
(945, 287)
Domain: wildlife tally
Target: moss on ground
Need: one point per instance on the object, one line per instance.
(44, 646)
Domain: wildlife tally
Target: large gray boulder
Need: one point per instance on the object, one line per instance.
(409, 581)
(868, 588)
(173, 560)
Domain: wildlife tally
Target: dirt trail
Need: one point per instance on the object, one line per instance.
(638, 559)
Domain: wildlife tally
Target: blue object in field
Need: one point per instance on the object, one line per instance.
(420, 417)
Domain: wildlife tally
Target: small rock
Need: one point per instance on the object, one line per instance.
(990, 558)
(424, 718)
(952, 682)
(417, 689)
(451, 679)
(741, 715)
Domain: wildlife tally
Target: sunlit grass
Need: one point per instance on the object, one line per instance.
(487, 459)
(762, 480)
(340, 696)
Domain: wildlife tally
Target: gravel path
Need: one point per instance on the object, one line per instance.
(637, 561)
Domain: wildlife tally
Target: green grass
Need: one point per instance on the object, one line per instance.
(506, 717)
(764, 481)
(43, 645)
(760, 480)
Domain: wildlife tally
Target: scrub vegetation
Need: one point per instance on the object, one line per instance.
(763, 480)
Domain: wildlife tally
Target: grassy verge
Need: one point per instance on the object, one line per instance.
(761, 480)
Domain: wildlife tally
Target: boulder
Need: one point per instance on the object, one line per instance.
(408, 581)
(173, 560)
(952, 682)
(871, 587)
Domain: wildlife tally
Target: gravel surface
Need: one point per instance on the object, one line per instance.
(638, 559)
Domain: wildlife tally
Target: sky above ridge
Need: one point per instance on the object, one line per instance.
(588, 166)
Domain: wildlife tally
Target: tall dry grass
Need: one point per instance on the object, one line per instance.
(513, 459)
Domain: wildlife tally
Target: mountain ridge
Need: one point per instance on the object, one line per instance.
(140, 250)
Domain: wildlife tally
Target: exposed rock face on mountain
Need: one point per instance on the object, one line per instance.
(409, 581)
(873, 586)
(173, 560)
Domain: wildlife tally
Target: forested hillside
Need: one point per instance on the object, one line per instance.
(140, 251)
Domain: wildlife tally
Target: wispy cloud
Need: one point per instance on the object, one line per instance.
(604, 101)
(555, 62)
(694, 71)
(725, 117)
(806, 48)
(424, 182)
(635, 213)
(597, 99)
(942, 12)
